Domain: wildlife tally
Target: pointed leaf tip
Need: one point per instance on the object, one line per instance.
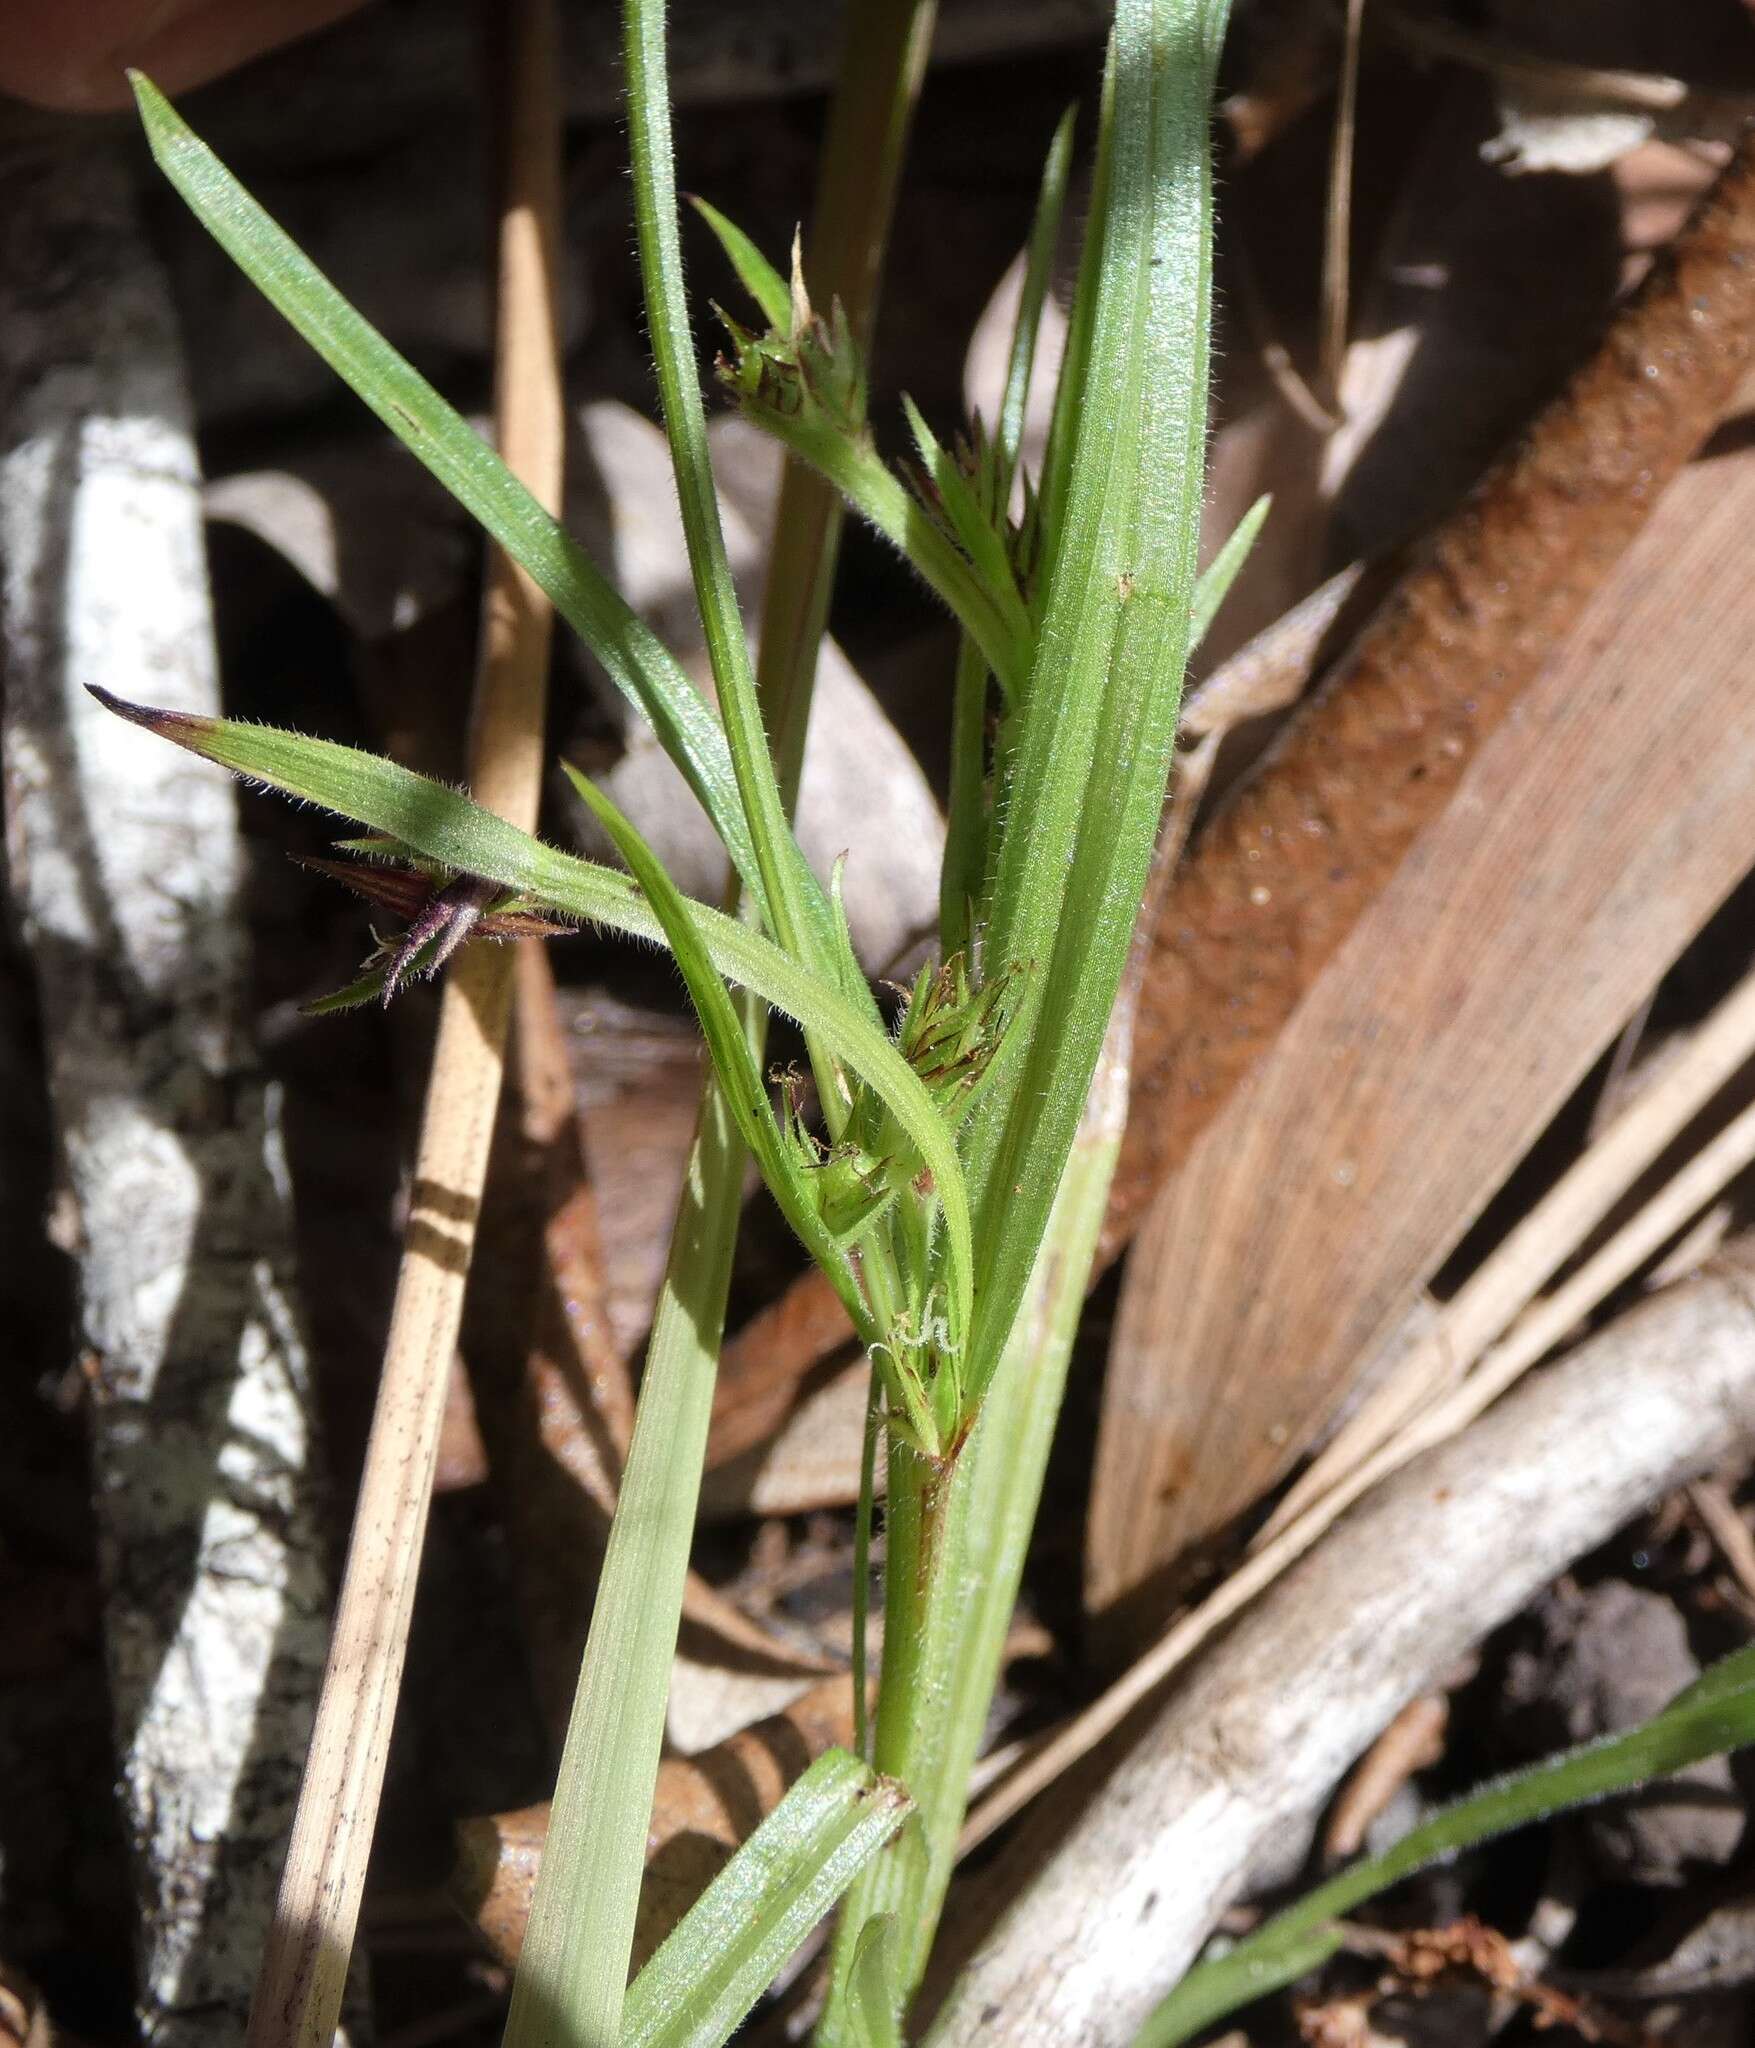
(172, 725)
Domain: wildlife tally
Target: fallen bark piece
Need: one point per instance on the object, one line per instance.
(125, 868)
(1119, 1905)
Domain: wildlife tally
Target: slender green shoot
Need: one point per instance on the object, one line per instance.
(968, 812)
(798, 910)
(1715, 1714)
(572, 1974)
(1221, 572)
(1033, 296)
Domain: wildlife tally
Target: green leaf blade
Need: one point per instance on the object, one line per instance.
(639, 664)
(571, 1983)
(729, 1946)
(1084, 780)
(1223, 570)
(755, 273)
(873, 1988)
(448, 828)
(1712, 1716)
(1038, 265)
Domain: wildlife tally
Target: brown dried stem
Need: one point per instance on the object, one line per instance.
(299, 1991)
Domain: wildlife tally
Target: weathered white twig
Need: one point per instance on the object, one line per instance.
(125, 868)
(1459, 1541)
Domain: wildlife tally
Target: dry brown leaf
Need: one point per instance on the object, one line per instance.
(1587, 843)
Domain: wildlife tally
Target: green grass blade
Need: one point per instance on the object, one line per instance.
(636, 660)
(1221, 572)
(872, 1994)
(1038, 270)
(572, 1974)
(740, 1079)
(1082, 788)
(727, 1948)
(798, 911)
(1073, 384)
(1714, 1715)
(445, 827)
(755, 273)
(966, 845)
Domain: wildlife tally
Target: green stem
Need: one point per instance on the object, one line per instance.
(882, 64)
(574, 1997)
(572, 1974)
(965, 858)
(800, 916)
(958, 1530)
(1715, 1714)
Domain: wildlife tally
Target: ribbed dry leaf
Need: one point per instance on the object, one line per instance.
(1597, 830)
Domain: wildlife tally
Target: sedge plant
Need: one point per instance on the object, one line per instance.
(950, 1178)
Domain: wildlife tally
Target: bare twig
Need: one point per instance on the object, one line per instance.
(1646, 92)
(1727, 1528)
(299, 1990)
(1412, 1742)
